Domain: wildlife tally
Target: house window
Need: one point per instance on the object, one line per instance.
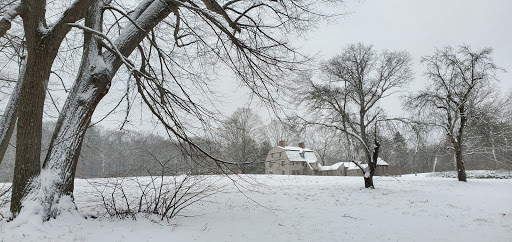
(272, 155)
(280, 154)
(282, 162)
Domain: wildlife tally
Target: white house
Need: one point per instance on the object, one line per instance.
(292, 160)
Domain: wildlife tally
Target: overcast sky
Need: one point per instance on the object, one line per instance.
(417, 26)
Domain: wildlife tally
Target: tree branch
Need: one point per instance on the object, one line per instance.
(8, 17)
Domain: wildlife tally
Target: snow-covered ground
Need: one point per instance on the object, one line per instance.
(306, 208)
(475, 174)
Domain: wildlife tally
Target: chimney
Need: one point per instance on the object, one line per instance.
(282, 143)
(302, 145)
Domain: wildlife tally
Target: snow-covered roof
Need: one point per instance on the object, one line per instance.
(294, 148)
(294, 154)
(332, 167)
(336, 166)
(381, 162)
(352, 166)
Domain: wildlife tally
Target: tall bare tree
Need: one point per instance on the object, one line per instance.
(347, 99)
(177, 44)
(459, 81)
(240, 139)
(280, 130)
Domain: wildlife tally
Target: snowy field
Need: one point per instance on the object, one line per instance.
(304, 208)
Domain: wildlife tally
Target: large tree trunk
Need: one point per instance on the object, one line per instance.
(368, 181)
(368, 172)
(461, 169)
(372, 165)
(29, 129)
(64, 150)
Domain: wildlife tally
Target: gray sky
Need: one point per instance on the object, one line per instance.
(419, 26)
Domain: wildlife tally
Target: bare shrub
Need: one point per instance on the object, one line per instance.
(160, 196)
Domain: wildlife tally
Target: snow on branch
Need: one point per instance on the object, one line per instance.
(113, 48)
(72, 14)
(8, 17)
(134, 33)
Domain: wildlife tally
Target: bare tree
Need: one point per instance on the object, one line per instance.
(418, 137)
(459, 81)
(327, 144)
(176, 45)
(280, 130)
(347, 99)
(488, 133)
(239, 135)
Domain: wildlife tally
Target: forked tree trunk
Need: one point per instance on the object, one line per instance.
(91, 85)
(55, 183)
(42, 44)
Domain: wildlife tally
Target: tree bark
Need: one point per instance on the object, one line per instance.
(461, 169)
(30, 116)
(59, 167)
(8, 120)
(368, 177)
(42, 47)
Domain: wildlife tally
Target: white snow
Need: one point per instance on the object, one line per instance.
(299, 154)
(381, 162)
(332, 167)
(305, 208)
(348, 165)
